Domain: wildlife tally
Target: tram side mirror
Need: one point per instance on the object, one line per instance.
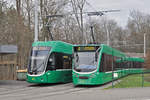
(77, 58)
(96, 56)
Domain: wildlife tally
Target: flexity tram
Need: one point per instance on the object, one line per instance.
(98, 64)
(50, 62)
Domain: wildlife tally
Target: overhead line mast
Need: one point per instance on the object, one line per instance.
(36, 21)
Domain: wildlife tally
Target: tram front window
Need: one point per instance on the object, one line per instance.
(85, 61)
(37, 60)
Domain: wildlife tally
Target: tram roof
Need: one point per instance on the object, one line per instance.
(79, 45)
(112, 51)
(57, 46)
(49, 43)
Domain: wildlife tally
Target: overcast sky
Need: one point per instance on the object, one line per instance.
(124, 5)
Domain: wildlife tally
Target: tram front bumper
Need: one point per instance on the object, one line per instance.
(88, 81)
(37, 79)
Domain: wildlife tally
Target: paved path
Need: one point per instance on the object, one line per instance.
(20, 90)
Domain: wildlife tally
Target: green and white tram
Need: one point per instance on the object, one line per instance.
(98, 64)
(50, 62)
(133, 65)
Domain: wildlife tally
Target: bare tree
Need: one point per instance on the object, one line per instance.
(28, 6)
(51, 7)
(18, 6)
(78, 6)
(138, 25)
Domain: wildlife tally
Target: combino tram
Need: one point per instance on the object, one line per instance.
(99, 64)
(50, 62)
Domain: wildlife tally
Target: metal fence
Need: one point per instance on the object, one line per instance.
(132, 80)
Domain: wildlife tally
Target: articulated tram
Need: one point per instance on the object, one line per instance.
(133, 64)
(99, 64)
(50, 62)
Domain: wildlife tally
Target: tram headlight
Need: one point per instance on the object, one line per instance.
(76, 75)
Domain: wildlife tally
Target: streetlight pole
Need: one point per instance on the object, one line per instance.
(108, 38)
(36, 21)
(144, 45)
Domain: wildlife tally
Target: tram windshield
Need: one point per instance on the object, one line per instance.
(37, 60)
(86, 60)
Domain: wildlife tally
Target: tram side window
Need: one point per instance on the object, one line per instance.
(115, 64)
(109, 63)
(142, 65)
(138, 65)
(106, 63)
(51, 62)
(59, 61)
(118, 65)
(126, 64)
(130, 64)
(63, 61)
(67, 62)
(134, 64)
(101, 69)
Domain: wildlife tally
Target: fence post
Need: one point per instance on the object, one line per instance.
(112, 69)
(142, 77)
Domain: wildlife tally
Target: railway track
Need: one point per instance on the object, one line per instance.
(39, 91)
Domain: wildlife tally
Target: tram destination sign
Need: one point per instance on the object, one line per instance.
(86, 48)
(41, 48)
